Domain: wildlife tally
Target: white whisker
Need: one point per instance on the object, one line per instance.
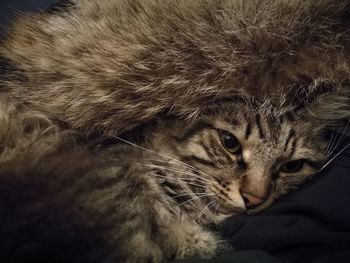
(205, 208)
(334, 157)
(178, 170)
(339, 140)
(215, 213)
(192, 193)
(181, 171)
(151, 151)
(194, 198)
(330, 143)
(181, 181)
(191, 167)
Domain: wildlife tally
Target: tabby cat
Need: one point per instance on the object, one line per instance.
(89, 70)
(158, 199)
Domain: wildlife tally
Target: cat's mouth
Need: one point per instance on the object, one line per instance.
(262, 206)
(230, 210)
(236, 208)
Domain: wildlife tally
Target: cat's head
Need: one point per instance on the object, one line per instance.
(242, 155)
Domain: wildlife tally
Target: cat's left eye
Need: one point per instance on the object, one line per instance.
(230, 142)
(292, 166)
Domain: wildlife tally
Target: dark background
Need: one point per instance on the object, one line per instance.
(9, 8)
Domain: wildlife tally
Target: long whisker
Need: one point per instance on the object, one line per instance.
(205, 208)
(215, 213)
(331, 148)
(181, 171)
(193, 175)
(151, 151)
(181, 181)
(177, 170)
(334, 157)
(330, 143)
(180, 165)
(192, 193)
(339, 140)
(194, 198)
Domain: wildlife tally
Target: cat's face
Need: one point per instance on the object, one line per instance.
(243, 158)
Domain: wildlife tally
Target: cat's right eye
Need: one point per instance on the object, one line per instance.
(292, 166)
(230, 142)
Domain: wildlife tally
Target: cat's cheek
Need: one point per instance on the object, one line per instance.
(229, 199)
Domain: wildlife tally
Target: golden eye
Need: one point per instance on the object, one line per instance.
(292, 166)
(230, 142)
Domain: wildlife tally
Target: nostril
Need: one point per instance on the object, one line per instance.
(246, 200)
(251, 201)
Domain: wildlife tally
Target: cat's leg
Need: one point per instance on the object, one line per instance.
(188, 239)
(139, 248)
(134, 237)
(149, 233)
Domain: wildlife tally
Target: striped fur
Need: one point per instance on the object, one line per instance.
(79, 201)
(109, 65)
(101, 68)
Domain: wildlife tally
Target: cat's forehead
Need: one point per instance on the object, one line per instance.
(240, 113)
(267, 124)
(268, 135)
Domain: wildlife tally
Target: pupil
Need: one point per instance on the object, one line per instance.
(230, 142)
(293, 166)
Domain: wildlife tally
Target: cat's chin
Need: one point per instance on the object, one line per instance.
(229, 210)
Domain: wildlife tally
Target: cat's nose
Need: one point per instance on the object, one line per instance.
(251, 201)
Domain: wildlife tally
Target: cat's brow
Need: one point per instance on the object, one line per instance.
(258, 125)
(294, 144)
(291, 134)
(199, 160)
(194, 129)
(248, 131)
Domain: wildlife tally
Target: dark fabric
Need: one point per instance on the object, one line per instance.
(247, 256)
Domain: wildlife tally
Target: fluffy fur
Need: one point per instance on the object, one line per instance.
(148, 203)
(107, 66)
(90, 68)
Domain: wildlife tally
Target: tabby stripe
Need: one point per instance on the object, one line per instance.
(233, 122)
(224, 196)
(207, 150)
(290, 135)
(258, 125)
(199, 160)
(248, 131)
(193, 130)
(294, 144)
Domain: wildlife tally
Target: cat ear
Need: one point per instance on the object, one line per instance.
(331, 108)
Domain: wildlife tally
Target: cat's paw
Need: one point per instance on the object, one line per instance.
(196, 242)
